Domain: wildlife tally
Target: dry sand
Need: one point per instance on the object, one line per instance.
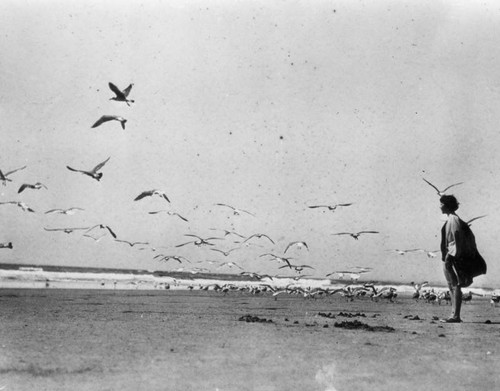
(194, 340)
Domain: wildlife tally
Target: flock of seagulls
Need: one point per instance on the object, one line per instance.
(282, 261)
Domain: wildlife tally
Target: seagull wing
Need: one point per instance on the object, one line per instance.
(430, 184)
(126, 91)
(475, 218)
(119, 94)
(103, 119)
(143, 194)
(318, 206)
(13, 171)
(368, 232)
(74, 169)
(111, 231)
(179, 216)
(100, 165)
(23, 186)
(455, 184)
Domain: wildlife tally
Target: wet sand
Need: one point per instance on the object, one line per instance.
(197, 340)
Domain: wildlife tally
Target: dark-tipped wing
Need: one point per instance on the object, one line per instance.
(100, 165)
(73, 169)
(119, 94)
(143, 194)
(111, 231)
(23, 186)
(103, 119)
(13, 171)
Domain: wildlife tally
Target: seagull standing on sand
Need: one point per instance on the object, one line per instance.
(149, 193)
(121, 96)
(94, 173)
(106, 118)
(36, 186)
(441, 192)
(3, 176)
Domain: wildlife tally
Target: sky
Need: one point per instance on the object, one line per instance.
(269, 107)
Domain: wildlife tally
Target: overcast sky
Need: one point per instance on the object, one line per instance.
(269, 107)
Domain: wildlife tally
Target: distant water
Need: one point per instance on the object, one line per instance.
(36, 278)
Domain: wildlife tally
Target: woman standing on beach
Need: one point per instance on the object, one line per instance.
(461, 259)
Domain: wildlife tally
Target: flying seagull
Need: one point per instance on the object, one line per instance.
(441, 192)
(121, 96)
(149, 193)
(102, 226)
(94, 172)
(131, 244)
(199, 242)
(36, 186)
(3, 176)
(169, 213)
(166, 258)
(106, 118)
(298, 244)
(22, 205)
(258, 236)
(6, 245)
(236, 211)
(356, 235)
(66, 230)
(225, 253)
(69, 211)
(329, 207)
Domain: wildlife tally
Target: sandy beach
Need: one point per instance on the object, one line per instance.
(205, 340)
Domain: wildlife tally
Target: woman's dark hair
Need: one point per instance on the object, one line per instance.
(450, 202)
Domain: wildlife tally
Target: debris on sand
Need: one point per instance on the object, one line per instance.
(357, 325)
(351, 315)
(412, 317)
(254, 319)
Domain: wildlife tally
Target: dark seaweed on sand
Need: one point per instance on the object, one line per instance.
(357, 325)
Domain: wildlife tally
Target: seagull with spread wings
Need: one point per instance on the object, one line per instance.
(150, 193)
(329, 207)
(169, 213)
(166, 258)
(277, 258)
(6, 245)
(259, 236)
(4, 175)
(297, 268)
(299, 244)
(35, 186)
(356, 235)
(225, 253)
(102, 226)
(236, 211)
(94, 173)
(22, 205)
(131, 244)
(121, 96)
(66, 230)
(69, 211)
(200, 242)
(106, 118)
(441, 192)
